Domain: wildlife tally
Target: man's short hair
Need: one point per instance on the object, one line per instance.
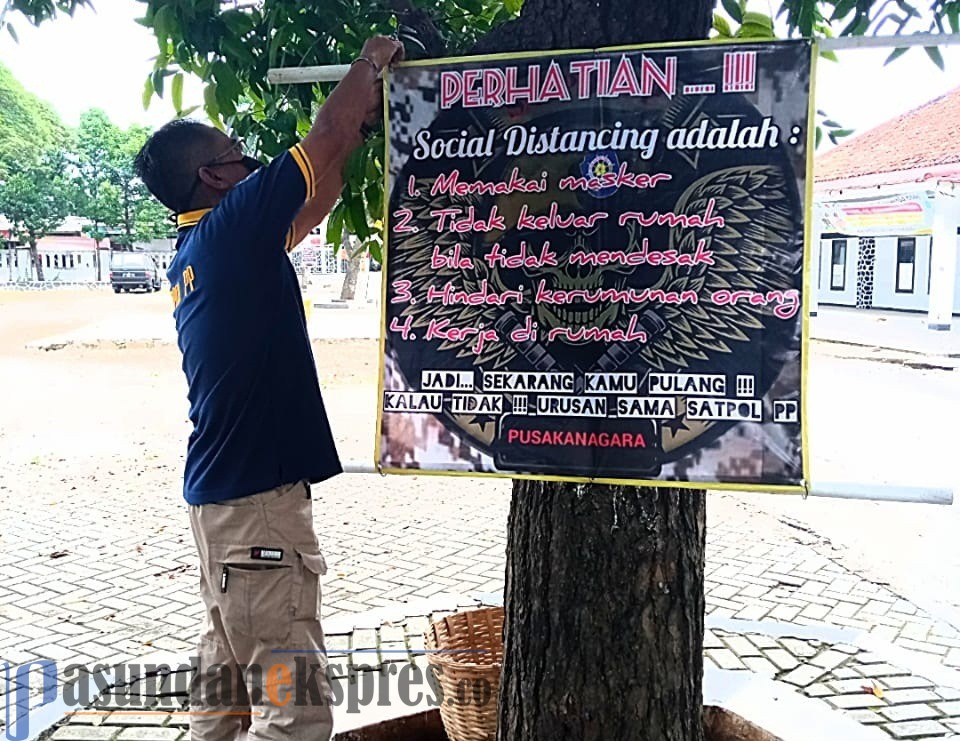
(169, 160)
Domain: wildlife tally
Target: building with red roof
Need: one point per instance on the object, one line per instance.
(887, 215)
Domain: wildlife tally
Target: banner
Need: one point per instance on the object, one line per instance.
(594, 265)
(903, 215)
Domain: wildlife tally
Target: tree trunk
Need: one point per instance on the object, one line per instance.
(355, 254)
(35, 257)
(604, 585)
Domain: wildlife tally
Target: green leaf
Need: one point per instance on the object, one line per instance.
(228, 84)
(473, 6)
(158, 75)
(210, 104)
(13, 33)
(147, 92)
(759, 19)
(513, 6)
(896, 54)
(840, 133)
(842, 9)
(818, 137)
(721, 26)
(733, 10)
(335, 225)
(376, 251)
(953, 16)
(830, 56)
(935, 56)
(176, 92)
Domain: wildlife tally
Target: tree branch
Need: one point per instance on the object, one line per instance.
(420, 21)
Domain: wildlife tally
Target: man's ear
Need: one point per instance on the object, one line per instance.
(212, 179)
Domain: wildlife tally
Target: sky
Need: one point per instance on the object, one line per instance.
(101, 59)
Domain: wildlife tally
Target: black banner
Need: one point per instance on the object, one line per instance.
(595, 265)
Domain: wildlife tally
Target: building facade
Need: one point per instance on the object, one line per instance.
(886, 216)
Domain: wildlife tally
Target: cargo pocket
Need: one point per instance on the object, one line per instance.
(311, 566)
(256, 599)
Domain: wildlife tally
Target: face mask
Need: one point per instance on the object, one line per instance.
(252, 164)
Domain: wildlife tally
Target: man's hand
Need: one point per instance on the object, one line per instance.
(382, 51)
(336, 131)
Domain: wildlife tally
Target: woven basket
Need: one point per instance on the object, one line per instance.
(467, 669)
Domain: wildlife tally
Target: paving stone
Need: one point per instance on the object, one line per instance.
(389, 633)
(762, 641)
(741, 646)
(84, 733)
(336, 643)
(845, 672)
(760, 665)
(150, 734)
(803, 675)
(122, 718)
(905, 697)
(907, 682)
(881, 670)
(829, 659)
(710, 639)
(784, 660)
(798, 648)
(848, 686)
(949, 708)
(924, 646)
(364, 639)
(725, 658)
(948, 693)
(866, 717)
(916, 729)
(856, 702)
(917, 711)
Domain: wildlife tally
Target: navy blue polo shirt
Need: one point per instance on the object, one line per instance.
(258, 417)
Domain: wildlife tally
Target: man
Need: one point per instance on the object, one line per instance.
(261, 434)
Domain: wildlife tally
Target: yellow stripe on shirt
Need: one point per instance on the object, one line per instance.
(306, 169)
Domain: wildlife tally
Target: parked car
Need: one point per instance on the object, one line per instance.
(132, 270)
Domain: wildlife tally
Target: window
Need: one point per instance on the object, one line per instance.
(906, 262)
(838, 265)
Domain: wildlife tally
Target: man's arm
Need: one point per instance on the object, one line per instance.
(316, 209)
(336, 130)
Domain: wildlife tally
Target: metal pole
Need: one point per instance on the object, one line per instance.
(829, 489)
(336, 72)
(887, 42)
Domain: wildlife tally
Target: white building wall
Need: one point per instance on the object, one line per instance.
(913, 295)
(66, 266)
(838, 284)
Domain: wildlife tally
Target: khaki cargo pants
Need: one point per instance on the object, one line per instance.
(262, 667)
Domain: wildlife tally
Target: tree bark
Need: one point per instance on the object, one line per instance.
(604, 584)
(355, 255)
(35, 257)
(604, 614)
